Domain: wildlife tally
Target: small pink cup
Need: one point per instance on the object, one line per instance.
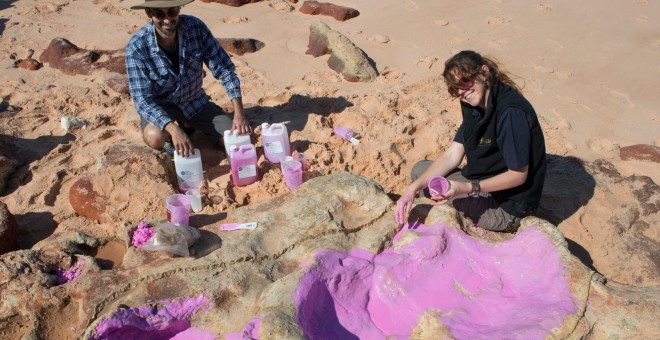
(178, 209)
(438, 185)
(292, 174)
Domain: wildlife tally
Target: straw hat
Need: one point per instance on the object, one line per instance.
(161, 4)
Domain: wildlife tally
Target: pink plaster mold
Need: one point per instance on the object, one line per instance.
(142, 234)
(249, 331)
(160, 320)
(514, 289)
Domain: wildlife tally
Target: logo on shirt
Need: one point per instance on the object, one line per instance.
(485, 141)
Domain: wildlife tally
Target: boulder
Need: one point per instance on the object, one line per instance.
(72, 60)
(8, 230)
(7, 163)
(340, 13)
(345, 58)
(640, 152)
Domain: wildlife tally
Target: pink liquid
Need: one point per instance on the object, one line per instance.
(178, 209)
(275, 139)
(292, 174)
(244, 169)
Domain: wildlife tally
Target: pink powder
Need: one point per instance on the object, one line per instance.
(249, 331)
(514, 289)
(142, 234)
(64, 276)
(163, 319)
(194, 334)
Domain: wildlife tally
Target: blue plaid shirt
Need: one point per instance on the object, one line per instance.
(151, 78)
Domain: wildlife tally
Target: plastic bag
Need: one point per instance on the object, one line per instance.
(172, 239)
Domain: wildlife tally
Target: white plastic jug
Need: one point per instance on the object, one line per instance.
(276, 141)
(244, 169)
(189, 169)
(233, 138)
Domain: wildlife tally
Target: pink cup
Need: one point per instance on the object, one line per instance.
(178, 209)
(292, 174)
(438, 185)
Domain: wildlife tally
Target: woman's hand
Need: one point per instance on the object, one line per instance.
(404, 205)
(455, 189)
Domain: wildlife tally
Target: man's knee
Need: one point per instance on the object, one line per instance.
(153, 136)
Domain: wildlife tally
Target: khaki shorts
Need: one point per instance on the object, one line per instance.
(482, 210)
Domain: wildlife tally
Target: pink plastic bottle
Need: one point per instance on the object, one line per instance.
(346, 134)
(276, 142)
(244, 169)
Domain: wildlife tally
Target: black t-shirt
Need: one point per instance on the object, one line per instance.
(513, 137)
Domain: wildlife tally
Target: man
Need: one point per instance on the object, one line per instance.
(164, 63)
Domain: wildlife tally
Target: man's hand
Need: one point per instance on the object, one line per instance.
(182, 143)
(239, 123)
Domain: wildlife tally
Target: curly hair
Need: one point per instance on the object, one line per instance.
(466, 66)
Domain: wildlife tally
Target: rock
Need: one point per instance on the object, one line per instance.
(340, 13)
(128, 175)
(241, 46)
(8, 230)
(640, 152)
(118, 84)
(72, 123)
(233, 3)
(345, 58)
(7, 163)
(252, 278)
(72, 60)
(621, 241)
(28, 64)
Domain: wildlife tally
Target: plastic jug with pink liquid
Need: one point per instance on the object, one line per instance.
(243, 161)
(276, 141)
(233, 138)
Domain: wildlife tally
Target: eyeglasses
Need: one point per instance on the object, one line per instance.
(462, 85)
(162, 14)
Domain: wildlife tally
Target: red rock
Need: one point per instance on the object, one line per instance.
(233, 3)
(241, 46)
(8, 230)
(640, 152)
(72, 60)
(87, 202)
(340, 13)
(29, 64)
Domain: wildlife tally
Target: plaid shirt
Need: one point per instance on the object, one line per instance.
(151, 78)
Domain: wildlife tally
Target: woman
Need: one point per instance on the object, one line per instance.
(502, 141)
